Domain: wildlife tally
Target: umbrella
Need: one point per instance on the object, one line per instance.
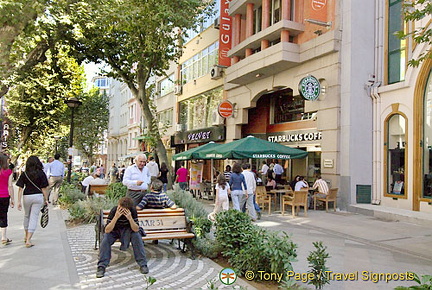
(193, 153)
(251, 147)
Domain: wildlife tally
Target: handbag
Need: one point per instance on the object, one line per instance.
(44, 217)
(44, 210)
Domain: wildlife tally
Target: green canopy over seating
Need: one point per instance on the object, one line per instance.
(250, 147)
(193, 153)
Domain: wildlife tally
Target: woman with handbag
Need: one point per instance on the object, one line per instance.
(6, 196)
(34, 182)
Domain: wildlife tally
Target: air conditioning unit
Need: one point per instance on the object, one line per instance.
(177, 90)
(216, 72)
(179, 127)
(217, 119)
(216, 23)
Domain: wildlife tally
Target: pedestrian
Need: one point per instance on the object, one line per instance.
(237, 184)
(6, 196)
(112, 173)
(227, 172)
(278, 171)
(182, 176)
(153, 168)
(102, 171)
(222, 202)
(163, 175)
(34, 182)
(248, 198)
(137, 179)
(122, 224)
(56, 175)
(263, 172)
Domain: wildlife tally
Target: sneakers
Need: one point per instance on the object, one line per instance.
(144, 270)
(100, 272)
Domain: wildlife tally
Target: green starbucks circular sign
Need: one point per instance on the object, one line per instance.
(310, 88)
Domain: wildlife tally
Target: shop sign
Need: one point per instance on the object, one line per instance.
(318, 4)
(216, 133)
(5, 135)
(294, 137)
(309, 88)
(225, 38)
(225, 109)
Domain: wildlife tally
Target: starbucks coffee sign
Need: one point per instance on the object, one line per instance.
(309, 88)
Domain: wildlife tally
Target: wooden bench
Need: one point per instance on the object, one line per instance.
(97, 188)
(158, 224)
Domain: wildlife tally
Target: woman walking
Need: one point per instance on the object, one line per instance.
(6, 196)
(163, 175)
(236, 181)
(35, 183)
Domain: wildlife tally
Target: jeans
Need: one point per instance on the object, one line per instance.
(109, 239)
(165, 187)
(183, 185)
(236, 196)
(249, 201)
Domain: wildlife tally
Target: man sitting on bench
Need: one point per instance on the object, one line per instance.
(156, 198)
(122, 224)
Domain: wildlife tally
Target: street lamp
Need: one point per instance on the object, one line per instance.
(72, 103)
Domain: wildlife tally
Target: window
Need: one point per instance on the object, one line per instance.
(197, 112)
(396, 155)
(427, 140)
(396, 57)
(286, 107)
(165, 118)
(166, 86)
(257, 19)
(200, 64)
(101, 82)
(275, 12)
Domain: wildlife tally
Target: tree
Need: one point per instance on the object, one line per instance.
(92, 117)
(137, 39)
(416, 11)
(36, 105)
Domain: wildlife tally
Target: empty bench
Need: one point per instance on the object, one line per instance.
(99, 189)
(158, 224)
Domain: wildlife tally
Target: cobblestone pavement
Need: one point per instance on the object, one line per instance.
(171, 268)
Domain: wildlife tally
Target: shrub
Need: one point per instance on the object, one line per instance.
(317, 262)
(249, 247)
(116, 191)
(86, 211)
(69, 194)
(425, 282)
(208, 247)
(185, 200)
(201, 226)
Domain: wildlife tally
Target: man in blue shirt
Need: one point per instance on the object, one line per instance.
(56, 173)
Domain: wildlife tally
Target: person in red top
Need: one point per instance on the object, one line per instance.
(182, 176)
(6, 196)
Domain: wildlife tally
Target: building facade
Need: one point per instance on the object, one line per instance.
(402, 98)
(279, 43)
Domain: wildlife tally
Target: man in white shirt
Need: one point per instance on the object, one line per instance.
(300, 184)
(263, 172)
(56, 174)
(153, 168)
(278, 170)
(46, 166)
(92, 179)
(137, 178)
(251, 188)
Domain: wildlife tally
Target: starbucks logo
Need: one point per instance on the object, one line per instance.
(310, 88)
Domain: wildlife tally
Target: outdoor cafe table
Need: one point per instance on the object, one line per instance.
(281, 193)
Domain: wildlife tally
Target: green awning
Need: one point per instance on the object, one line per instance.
(251, 147)
(193, 153)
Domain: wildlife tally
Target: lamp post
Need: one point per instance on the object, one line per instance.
(72, 103)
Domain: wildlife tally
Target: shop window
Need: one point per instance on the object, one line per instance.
(427, 141)
(396, 155)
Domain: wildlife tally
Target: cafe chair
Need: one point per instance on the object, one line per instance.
(331, 197)
(262, 198)
(298, 199)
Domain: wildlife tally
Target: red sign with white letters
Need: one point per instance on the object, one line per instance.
(225, 109)
(224, 33)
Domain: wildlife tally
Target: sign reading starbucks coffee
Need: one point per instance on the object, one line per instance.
(309, 88)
